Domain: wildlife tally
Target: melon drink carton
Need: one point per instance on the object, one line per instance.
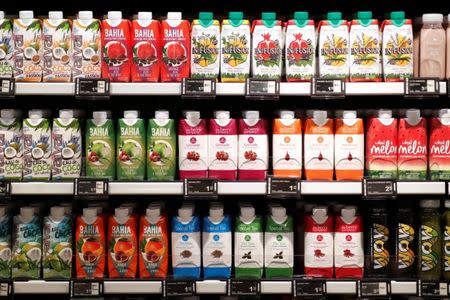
(300, 50)
(205, 46)
(439, 145)
(57, 246)
(122, 245)
(6, 46)
(161, 147)
(235, 48)
(192, 146)
(267, 46)
(223, 146)
(11, 144)
(146, 45)
(381, 145)
(90, 248)
(397, 49)
(100, 146)
(412, 146)
(66, 146)
(287, 145)
(57, 42)
(37, 160)
(349, 146)
(153, 243)
(319, 243)
(253, 152)
(28, 50)
(86, 46)
(131, 147)
(27, 244)
(365, 48)
(334, 47)
(116, 47)
(5, 244)
(319, 146)
(186, 244)
(176, 48)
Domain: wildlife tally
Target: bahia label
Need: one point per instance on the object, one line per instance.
(161, 150)
(100, 149)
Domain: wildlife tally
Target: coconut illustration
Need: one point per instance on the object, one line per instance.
(37, 153)
(29, 52)
(58, 53)
(88, 53)
(67, 153)
(10, 152)
(2, 54)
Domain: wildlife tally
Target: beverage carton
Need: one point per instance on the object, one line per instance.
(11, 144)
(439, 145)
(6, 46)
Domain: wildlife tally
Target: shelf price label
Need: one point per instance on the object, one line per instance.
(91, 188)
(373, 288)
(283, 187)
(5, 189)
(200, 188)
(198, 88)
(7, 87)
(6, 289)
(433, 288)
(308, 288)
(177, 288)
(262, 89)
(328, 88)
(243, 287)
(422, 87)
(89, 289)
(379, 188)
(92, 88)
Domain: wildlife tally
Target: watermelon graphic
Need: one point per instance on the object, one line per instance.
(439, 146)
(412, 150)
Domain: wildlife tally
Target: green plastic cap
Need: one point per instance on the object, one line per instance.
(301, 15)
(335, 15)
(205, 15)
(364, 15)
(397, 15)
(235, 15)
(268, 16)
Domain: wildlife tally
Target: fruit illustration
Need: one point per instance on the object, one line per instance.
(398, 50)
(362, 50)
(335, 51)
(235, 49)
(318, 253)
(267, 52)
(174, 54)
(122, 250)
(114, 53)
(222, 155)
(300, 51)
(90, 250)
(98, 152)
(250, 155)
(348, 253)
(160, 151)
(129, 152)
(145, 53)
(152, 250)
(205, 49)
(192, 155)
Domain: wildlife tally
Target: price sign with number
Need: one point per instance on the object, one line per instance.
(262, 89)
(5, 289)
(198, 88)
(422, 87)
(86, 288)
(177, 288)
(379, 188)
(5, 189)
(327, 88)
(434, 288)
(91, 187)
(7, 87)
(200, 188)
(373, 288)
(244, 287)
(283, 187)
(308, 287)
(92, 88)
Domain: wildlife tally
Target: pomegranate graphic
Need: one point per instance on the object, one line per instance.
(268, 51)
(192, 155)
(318, 253)
(174, 54)
(349, 157)
(250, 155)
(348, 253)
(222, 155)
(144, 53)
(298, 49)
(115, 53)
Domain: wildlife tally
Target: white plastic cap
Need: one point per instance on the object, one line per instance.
(115, 15)
(85, 15)
(320, 211)
(444, 113)
(385, 113)
(287, 114)
(2, 211)
(121, 212)
(278, 211)
(153, 212)
(55, 14)
(7, 113)
(27, 211)
(35, 113)
(251, 114)
(2, 14)
(90, 212)
(57, 211)
(432, 18)
(247, 211)
(66, 113)
(26, 14)
(447, 203)
(216, 212)
(192, 114)
(349, 114)
(131, 114)
(145, 15)
(162, 114)
(413, 113)
(348, 211)
(429, 203)
(222, 114)
(100, 115)
(174, 15)
(185, 211)
(320, 114)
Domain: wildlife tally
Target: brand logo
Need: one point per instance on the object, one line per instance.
(279, 237)
(250, 139)
(114, 33)
(287, 139)
(89, 229)
(185, 238)
(173, 33)
(380, 237)
(216, 237)
(383, 148)
(121, 229)
(320, 139)
(129, 131)
(348, 237)
(193, 140)
(349, 139)
(222, 140)
(247, 238)
(143, 33)
(406, 255)
(440, 148)
(98, 131)
(319, 238)
(412, 147)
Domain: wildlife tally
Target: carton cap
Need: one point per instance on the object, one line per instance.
(287, 114)
(27, 211)
(2, 211)
(7, 113)
(174, 15)
(90, 212)
(251, 114)
(278, 211)
(397, 15)
(320, 211)
(185, 212)
(348, 212)
(301, 15)
(235, 15)
(85, 15)
(35, 113)
(57, 211)
(153, 212)
(216, 212)
(205, 15)
(334, 15)
(426, 203)
(55, 14)
(114, 15)
(2, 14)
(413, 113)
(432, 18)
(192, 114)
(222, 114)
(447, 203)
(66, 113)
(162, 114)
(349, 114)
(385, 113)
(26, 14)
(320, 114)
(247, 211)
(100, 114)
(121, 212)
(443, 113)
(364, 15)
(131, 114)
(268, 16)
(145, 15)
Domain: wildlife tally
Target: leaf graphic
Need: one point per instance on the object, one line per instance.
(34, 26)
(94, 26)
(6, 25)
(63, 26)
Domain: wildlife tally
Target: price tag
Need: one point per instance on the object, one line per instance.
(327, 88)
(262, 89)
(309, 288)
(176, 288)
(91, 187)
(200, 188)
(198, 88)
(373, 289)
(244, 287)
(92, 88)
(7, 87)
(86, 288)
(283, 187)
(5, 189)
(379, 188)
(422, 87)
(5, 289)
(433, 288)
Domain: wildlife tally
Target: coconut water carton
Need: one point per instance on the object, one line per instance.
(439, 145)
(6, 46)
(11, 145)
(5, 244)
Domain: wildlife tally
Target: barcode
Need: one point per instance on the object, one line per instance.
(207, 86)
(100, 87)
(271, 87)
(337, 86)
(431, 86)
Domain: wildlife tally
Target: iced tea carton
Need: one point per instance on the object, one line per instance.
(223, 146)
(349, 147)
(300, 50)
(381, 146)
(116, 47)
(176, 48)
(365, 48)
(287, 145)
(5, 244)
(319, 146)
(439, 145)
(6, 46)
(192, 146)
(412, 146)
(397, 49)
(57, 41)
(90, 248)
(86, 46)
(122, 245)
(267, 46)
(11, 144)
(146, 45)
(235, 48)
(28, 49)
(253, 152)
(205, 46)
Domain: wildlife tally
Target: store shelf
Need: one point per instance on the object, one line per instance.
(132, 287)
(403, 287)
(41, 287)
(211, 287)
(276, 287)
(42, 188)
(341, 287)
(146, 188)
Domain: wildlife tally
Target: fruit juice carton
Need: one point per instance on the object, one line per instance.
(186, 244)
(267, 46)
(205, 46)
(146, 45)
(86, 46)
(176, 48)
(439, 145)
(217, 249)
(349, 147)
(6, 46)
(378, 242)
(412, 146)
(100, 146)
(66, 146)
(405, 242)
(90, 237)
(253, 142)
(37, 150)
(397, 49)
(319, 146)
(300, 50)
(27, 243)
(429, 258)
(57, 246)
(334, 48)
(287, 145)
(131, 147)
(381, 146)
(446, 241)
(57, 42)
(161, 147)
(223, 146)
(432, 47)
(193, 146)
(153, 244)
(365, 48)
(122, 245)
(11, 144)
(5, 244)
(28, 49)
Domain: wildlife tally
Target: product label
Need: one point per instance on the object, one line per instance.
(153, 248)
(27, 254)
(446, 249)
(300, 52)
(412, 151)
(235, 53)
(11, 150)
(131, 149)
(91, 252)
(86, 49)
(319, 151)
(146, 42)
(267, 45)
(205, 47)
(247, 249)
(439, 145)
(223, 146)
(175, 51)
(57, 248)
(253, 152)
(287, 151)
(349, 151)
(348, 249)
(429, 259)
(406, 253)
(186, 243)
(161, 150)
(397, 51)
(193, 152)
(66, 147)
(100, 146)
(217, 251)
(5, 247)
(6, 48)
(279, 250)
(334, 51)
(319, 249)
(37, 161)
(123, 254)
(380, 248)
